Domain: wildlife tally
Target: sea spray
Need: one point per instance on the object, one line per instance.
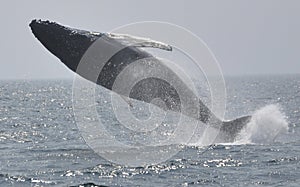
(265, 125)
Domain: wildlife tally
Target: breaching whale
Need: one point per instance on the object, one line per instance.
(70, 45)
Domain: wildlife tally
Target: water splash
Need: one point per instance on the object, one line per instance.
(265, 126)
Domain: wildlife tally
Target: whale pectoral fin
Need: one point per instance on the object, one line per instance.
(134, 41)
(233, 127)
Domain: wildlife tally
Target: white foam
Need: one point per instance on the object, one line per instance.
(266, 124)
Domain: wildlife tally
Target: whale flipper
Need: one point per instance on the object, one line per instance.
(134, 41)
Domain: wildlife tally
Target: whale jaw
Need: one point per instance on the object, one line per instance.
(66, 43)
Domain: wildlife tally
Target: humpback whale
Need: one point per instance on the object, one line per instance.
(70, 45)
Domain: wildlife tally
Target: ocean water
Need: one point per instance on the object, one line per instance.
(40, 144)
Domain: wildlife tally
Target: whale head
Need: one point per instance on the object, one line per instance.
(66, 43)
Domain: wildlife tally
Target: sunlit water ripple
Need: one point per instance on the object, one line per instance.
(41, 145)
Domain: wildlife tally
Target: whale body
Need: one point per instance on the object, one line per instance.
(70, 45)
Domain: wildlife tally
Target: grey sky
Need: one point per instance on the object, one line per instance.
(247, 37)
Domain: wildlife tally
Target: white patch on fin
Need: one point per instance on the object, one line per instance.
(129, 40)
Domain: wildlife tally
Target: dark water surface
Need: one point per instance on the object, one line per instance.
(40, 144)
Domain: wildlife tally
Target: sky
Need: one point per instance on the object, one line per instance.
(247, 37)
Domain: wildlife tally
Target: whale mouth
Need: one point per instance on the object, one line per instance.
(66, 43)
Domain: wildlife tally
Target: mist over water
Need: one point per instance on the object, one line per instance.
(266, 125)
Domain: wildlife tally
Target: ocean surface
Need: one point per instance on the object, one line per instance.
(40, 144)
